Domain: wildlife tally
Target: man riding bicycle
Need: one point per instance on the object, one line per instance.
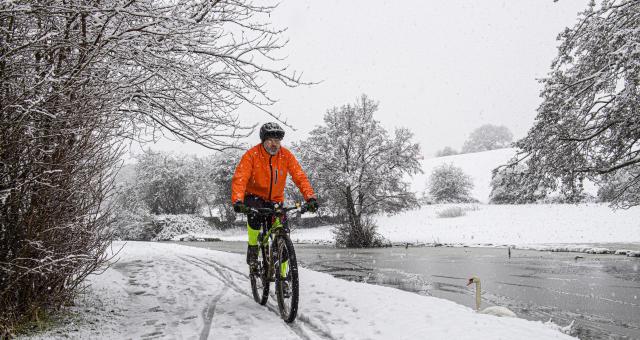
(260, 179)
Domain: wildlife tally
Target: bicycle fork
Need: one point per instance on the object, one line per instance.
(281, 268)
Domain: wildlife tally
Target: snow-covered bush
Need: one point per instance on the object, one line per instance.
(449, 184)
(447, 151)
(450, 212)
(362, 235)
(170, 226)
(147, 227)
(132, 225)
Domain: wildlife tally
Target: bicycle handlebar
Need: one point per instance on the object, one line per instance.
(270, 211)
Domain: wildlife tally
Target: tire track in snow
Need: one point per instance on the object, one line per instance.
(305, 322)
(231, 283)
(305, 325)
(208, 313)
(200, 263)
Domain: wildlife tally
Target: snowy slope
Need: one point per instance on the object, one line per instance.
(481, 224)
(477, 165)
(515, 224)
(169, 291)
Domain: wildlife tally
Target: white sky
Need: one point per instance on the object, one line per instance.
(441, 68)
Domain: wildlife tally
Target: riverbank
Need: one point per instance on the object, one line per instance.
(158, 290)
(586, 228)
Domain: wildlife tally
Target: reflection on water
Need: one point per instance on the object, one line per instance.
(600, 292)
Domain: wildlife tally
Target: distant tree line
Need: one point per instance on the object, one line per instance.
(485, 138)
(166, 183)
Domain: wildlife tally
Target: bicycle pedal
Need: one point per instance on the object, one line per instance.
(286, 291)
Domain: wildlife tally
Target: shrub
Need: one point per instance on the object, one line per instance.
(362, 235)
(449, 184)
(170, 226)
(450, 212)
(447, 151)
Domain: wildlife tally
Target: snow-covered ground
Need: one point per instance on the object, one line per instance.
(177, 292)
(533, 226)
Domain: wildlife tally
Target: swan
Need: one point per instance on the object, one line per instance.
(493, 310)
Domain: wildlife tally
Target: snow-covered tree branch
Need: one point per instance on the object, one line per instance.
(588, 125)
(78, 79)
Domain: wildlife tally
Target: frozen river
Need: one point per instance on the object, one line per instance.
(600, 292)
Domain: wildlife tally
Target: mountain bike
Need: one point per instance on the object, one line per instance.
(276, 260)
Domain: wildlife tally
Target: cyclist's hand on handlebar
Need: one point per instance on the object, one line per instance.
(240, 208)
(312, 205)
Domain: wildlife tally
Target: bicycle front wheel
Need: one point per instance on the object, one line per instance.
(259, 279)
(286, 279)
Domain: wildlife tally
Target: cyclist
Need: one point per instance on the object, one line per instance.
(259, 182)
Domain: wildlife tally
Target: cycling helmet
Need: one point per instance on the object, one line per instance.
(271, 130)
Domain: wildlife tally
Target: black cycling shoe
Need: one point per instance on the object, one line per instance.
(253, 268)
(286, 290)
(252, 259)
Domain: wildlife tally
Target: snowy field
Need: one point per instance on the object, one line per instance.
(479, 166)
(170, 291)
(532, 226)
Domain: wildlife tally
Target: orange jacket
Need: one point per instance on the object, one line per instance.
(263, 175)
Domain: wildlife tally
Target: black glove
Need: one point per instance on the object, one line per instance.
(239, 207)
(312, 205)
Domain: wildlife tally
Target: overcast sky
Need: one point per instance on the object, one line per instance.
(441, 68)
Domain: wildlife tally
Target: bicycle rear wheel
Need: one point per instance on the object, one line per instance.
(286, 279)
(259, 279)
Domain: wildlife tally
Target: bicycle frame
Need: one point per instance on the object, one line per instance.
(268, 234)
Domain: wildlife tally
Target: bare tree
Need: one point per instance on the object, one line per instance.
(358, 169)
(80, 78)
(588, 125)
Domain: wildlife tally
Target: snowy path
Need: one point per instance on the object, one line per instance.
(170, 291)
(181, 295)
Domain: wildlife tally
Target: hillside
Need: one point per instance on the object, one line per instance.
(478, 166)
